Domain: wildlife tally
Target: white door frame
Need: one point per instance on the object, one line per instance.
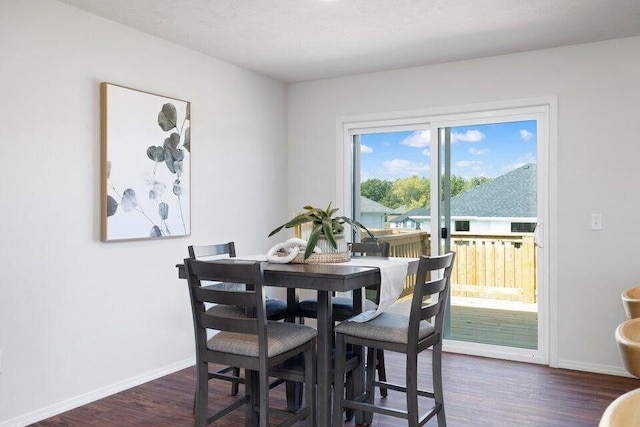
(546, 106)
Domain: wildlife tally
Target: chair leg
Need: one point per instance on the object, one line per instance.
(310, 385)
(294, 395)
(263, 379)
(235, 384)
(356, 381)
(412, 390)
(382, 372)
(437, 383)
(251, 389)
(202, 394)
(370, 387)
(338, 381)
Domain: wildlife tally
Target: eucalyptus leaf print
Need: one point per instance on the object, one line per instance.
(147, 165)
(187, 139)
(112, 205)
(168, 117)
(129, 200)
(156, 153)
(164, 211)
(171, 151)
(155, 231)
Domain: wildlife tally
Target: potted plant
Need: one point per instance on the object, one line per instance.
(324, 225)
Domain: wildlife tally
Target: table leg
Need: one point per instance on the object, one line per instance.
(325, 362)
(294, 389)
(251, 382)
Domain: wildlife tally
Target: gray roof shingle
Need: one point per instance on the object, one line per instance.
(368, 205)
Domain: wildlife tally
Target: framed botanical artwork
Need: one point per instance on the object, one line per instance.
(146, 154)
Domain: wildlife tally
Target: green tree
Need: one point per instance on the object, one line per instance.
(478, 180)
(412, 192)
(375, 189)
(391, 201)
(458, 185)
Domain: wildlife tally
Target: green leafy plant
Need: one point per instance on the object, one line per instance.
(324, 223)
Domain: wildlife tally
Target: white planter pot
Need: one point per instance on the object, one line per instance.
(326, 248)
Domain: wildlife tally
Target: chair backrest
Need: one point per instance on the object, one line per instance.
(370, 248)
(216, 251)
(204, 251)
(436, 289)
(228, 271)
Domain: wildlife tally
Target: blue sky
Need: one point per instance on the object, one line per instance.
(487, 150)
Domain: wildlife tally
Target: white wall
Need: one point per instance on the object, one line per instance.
(80, 318)
(598, 153)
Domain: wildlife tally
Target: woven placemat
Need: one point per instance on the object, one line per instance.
(320, 258)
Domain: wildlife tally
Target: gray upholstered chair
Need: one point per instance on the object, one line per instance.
(276, 309)
(261, 347)
(408, 334)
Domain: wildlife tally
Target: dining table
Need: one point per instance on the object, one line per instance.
(327, 279)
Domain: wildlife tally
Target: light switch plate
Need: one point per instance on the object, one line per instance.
(596, 222)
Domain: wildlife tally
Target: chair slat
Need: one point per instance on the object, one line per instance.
(214, 270)
(205, 251)
(229, 324)
(222, 296)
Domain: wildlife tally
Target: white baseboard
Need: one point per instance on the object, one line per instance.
(595, 368)
(92, 396)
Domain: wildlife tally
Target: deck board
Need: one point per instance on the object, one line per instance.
(511, 328)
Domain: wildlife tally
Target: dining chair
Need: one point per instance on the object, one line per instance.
(262, 347)
(276, 309)
(343, 306)
(409, 334)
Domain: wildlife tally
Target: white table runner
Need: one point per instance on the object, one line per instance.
(393, 272)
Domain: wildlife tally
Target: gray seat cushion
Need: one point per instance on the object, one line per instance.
(282, 336)
(342, 306)
(390, 327)
(222, 310)
(275, 307)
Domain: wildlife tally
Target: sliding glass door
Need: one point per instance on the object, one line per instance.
(473, 183)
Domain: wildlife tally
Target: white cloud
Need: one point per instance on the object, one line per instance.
(404, 167)
(526, 159)
(478, 151)
(426, 152)
(468, 163)
(525, 135)
(365, 149)
(468, 136)
(418, 139)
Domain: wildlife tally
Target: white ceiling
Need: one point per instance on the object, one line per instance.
(298, 40)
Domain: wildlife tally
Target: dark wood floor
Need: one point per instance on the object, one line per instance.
(478, 392)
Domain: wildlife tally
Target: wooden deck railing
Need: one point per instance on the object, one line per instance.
(487, 266)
